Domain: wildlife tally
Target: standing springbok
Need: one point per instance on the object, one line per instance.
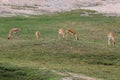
(74, 33)
(13, 31)
(37, 34)
(111, 38)
(61, 33)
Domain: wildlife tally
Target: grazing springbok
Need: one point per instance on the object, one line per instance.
(74, 33)
(37, 34)
(13, 31)
(61, 33)
(111, 38)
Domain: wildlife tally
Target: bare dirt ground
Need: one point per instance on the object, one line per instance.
(74, 76)
(38, 7)
(109, 7)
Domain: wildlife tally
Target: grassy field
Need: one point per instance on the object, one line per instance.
(23, 57)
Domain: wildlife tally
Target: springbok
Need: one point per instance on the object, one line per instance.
(111, 38)
(13, 31)
(37, 34)
(74, 33)
(61, 33)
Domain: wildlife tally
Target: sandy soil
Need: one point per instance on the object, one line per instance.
(38, 7)
(110, 7)
(74, 76)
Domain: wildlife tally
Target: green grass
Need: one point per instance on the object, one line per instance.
(90, 55)
(8, 72)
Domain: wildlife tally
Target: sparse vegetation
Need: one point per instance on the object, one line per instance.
(22, 7)
(90, 55)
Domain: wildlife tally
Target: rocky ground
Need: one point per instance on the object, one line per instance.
(38, 7)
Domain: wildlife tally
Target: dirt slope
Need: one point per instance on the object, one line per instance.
(38, 7)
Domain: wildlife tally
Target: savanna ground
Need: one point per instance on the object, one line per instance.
(24, 58)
